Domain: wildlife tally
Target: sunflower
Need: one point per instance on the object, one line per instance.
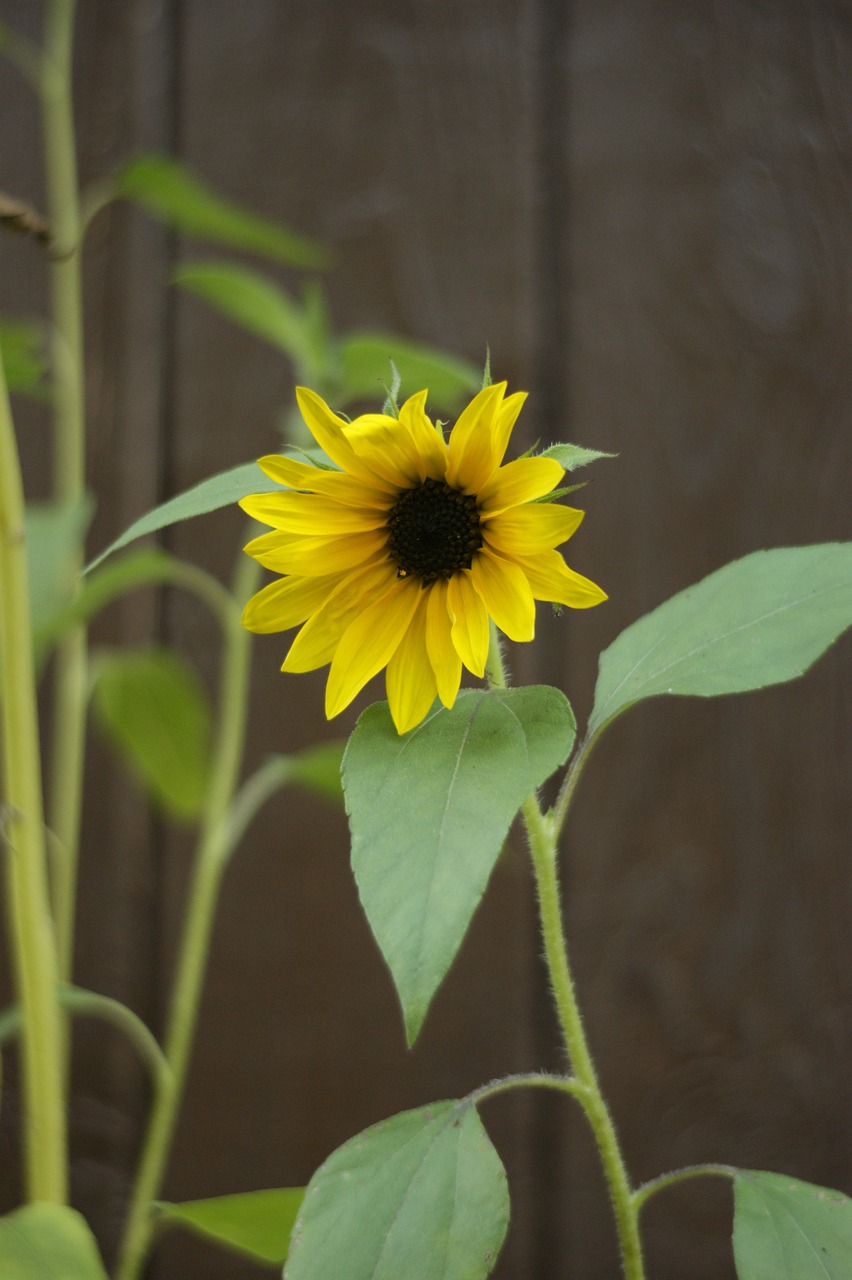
(399, 555)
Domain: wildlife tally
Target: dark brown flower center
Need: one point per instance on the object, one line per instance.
(433, 531)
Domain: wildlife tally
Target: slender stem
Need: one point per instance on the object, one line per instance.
(665, 1180)
(69, 707)
(211, 858)
(533, 1079)
(542, 835)
(30, 923)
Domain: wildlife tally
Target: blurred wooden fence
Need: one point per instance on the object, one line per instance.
(646, 210)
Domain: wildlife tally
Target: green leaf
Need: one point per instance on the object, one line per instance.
(572, 456)
(790, 1230)
(429, 812)
(55, 534)
(174, 195)
(222, 490)
(421, 1196)
(152, 707)
(756, 622)
(257, 304)
(366, 363)
(318, 769)
(256, 1223)
(48, 1242)
(24, 359)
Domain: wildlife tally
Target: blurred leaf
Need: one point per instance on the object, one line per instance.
(572, 456)
(257, 304)
(366, 361)
(151, 705)
(429, 812)
(318, 769)
(421, 1196)
(24, 358)
(173, 194)
(222, 490)
(48, 1242)
(756, 622)
(256, 1223)
(146, 567)
(55, 536)
(790, 1230)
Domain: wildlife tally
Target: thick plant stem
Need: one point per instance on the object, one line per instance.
(213, 850)
(69, 706)
(542, 837)
(22, 836)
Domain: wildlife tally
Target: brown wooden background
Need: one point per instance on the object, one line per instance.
(646, 209)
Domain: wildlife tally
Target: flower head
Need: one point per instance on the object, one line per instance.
(399, 556)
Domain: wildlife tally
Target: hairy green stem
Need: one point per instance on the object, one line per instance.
(542, 837)
(23, 835)
(665, 1180)
(211, 859)
(70, 689)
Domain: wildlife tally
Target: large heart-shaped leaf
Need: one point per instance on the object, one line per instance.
(48, 1242)
(790, 1230)
(429, 812)
(759, 621)
(421, 1196)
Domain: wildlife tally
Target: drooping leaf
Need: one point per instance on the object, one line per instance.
(257, 304)
(785, 1229)
(421, 1196)
(55, 534)
(24, 359)
(222, 490)
(366, 361)
(177, 197)
(255, 1223)
(146, 567)
(429, 812)
(572, 456)
(318, 769)
(151, 706)
(48, 1242)
(756, 622)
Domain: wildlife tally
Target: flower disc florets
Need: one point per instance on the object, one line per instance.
(433, 531)
(402, 555)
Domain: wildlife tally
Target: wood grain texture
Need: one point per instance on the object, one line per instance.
(645, 210)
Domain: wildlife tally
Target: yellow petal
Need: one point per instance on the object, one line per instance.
(410, 681)
(318, 639)
(507, 416)
(311, 513)
(329, 431)
(551, 579)
(520, 481)
(472, 448)
(429, 445)
(287, 602)
(316, 557)
(369, 642)
(469, 622)
(530, 529)
(446, 663)
(506, 594)
(334, 484)
(386, 448)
